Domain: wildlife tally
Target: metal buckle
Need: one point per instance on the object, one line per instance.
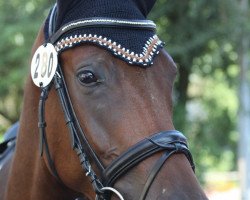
(112, 190)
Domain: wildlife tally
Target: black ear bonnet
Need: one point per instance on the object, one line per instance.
(119, 26)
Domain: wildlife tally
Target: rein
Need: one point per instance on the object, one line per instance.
(166, 142)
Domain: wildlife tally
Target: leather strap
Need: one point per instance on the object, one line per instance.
(77, 135)
(163, 141)
(52, 20)
(79, 141)
(154, 173)
(71, 120)
(42, 132)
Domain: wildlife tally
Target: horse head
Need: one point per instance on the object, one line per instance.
(105, 105)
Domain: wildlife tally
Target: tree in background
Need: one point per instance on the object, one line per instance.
(19, 22)
(199, 35)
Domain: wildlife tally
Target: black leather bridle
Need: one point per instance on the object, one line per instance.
(166, 142)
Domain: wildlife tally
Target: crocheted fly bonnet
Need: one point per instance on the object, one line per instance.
(119, 26)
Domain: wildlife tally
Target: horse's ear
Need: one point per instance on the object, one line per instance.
(62, 7)
(145, 6)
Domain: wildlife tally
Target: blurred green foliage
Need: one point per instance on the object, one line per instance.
(201, 36)
(19, 23)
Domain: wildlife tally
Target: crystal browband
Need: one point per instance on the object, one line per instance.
(145, 58)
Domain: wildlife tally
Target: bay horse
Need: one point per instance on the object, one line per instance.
(119, 117)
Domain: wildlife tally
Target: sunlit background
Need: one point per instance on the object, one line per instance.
(209, 41)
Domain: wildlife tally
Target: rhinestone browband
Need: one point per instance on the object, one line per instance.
(150, 49)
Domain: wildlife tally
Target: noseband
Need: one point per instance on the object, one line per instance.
(166, 142)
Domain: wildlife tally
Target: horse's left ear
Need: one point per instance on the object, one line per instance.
(145, 6)
(63, 7)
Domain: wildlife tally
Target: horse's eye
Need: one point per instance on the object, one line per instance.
(87, 77)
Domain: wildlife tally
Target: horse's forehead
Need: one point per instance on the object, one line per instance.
(85, 53)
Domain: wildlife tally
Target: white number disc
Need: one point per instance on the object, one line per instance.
(43, 65)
